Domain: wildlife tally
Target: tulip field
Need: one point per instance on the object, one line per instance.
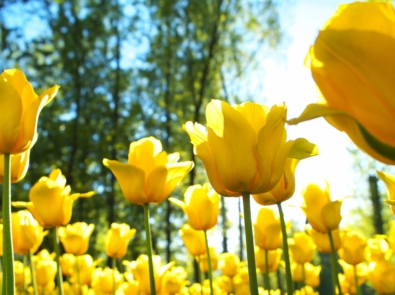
(245, 154)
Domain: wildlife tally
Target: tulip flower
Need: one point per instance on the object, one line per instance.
(224, 283)
(204, 263)
(229, 264)
(302, 248)
(378, 248)
(311, 275)
(45, 268)
(86, 267)
(241, 281)
(349, 279)
(322, 241)
(75, 237)
(194, 240)
(18, 125)
(102, 280)
(273, 261)
(267, 229)
(117, 239)
(201, 206)
(52, 192)
(27, 234)
(322, 213)
(131, 286)
(353, 65)
(256, 163)
(150, 174)
(389, 181)
(382, 276)
(352, 248)
(67, 262)
(283, 190)
(175, 280)
(19, 165)
(140, 271)
(22, 275)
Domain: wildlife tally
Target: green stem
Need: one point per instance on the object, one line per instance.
(77, 269)
(356, 281)
(250, 244)
(33, 273)
(149, 248)
(8, 251)
(200, 274)
(59, 279)
(286, 251)
(114, 267)
(24, 274)
(210, 274)
(267, 278)
(335, 276)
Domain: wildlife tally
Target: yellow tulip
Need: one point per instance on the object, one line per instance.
(224, 283)
(175, 280)
(194, 240)
(46, 269)
(244, 148)
(203, 261)
(140, 271)
(67, 263)
(19, 165)
(378, 248)
(353, 65)
(267, 229)
(322, 213)
(229, 264)
(86, 267)
(302, 248)
(274, 259)
(102, 280)
(352, 248)
(131, 286)
(150, 174)
(18, 124)
(201, 206)
(283, 190)
(311, 273)
(241, 281)
(349, 274)
(382, 276)
(322, 240)
(27, 234)
(75, 237)
(389, 181)
(117, 239)
(52, 192)
(22, 275)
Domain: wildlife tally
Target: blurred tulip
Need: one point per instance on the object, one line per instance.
(382, 276)
(348, 280)
(22, 275)
(19, 165)
(322, 213)
(51, 192)
(256, 163)
(241, 282)
(203, 261)
(274, 259)
(175, 280)
(283, 190)
(224, 283)
(18, 125)
(201, 206)
(86, 267)
(302, 248)
(267, 229)
(389, 181)
(45, 268)
(378, 248)
(150, 174)
(311, 273)
(67, 263)
(391, 235)
(353, 65)
(27, 234)
(140, 271)
(352, 248)
(102, 281)
(131, 286)
(117, 239)
(194, 240)
(321, 240)
(75, 237)
(229, 264)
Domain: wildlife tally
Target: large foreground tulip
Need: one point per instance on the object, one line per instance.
(353, 65)
(244, 148)
(18, 124)
(150, 174)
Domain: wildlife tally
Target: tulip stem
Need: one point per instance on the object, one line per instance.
(250, 244)
(210, 274)
(59, 279)
(8, 251)
(267, 278)
(358, 290)
(114, 267)
(286, 251)
(149, 248)
(33, 273)
(24, 274)
(335, 277)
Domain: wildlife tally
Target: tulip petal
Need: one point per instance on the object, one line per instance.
(178, 203)
(131, 179)
(175, 173)
(330, 214)
(255, 114)
(156, 182)
(232, 142)
(389, 181)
